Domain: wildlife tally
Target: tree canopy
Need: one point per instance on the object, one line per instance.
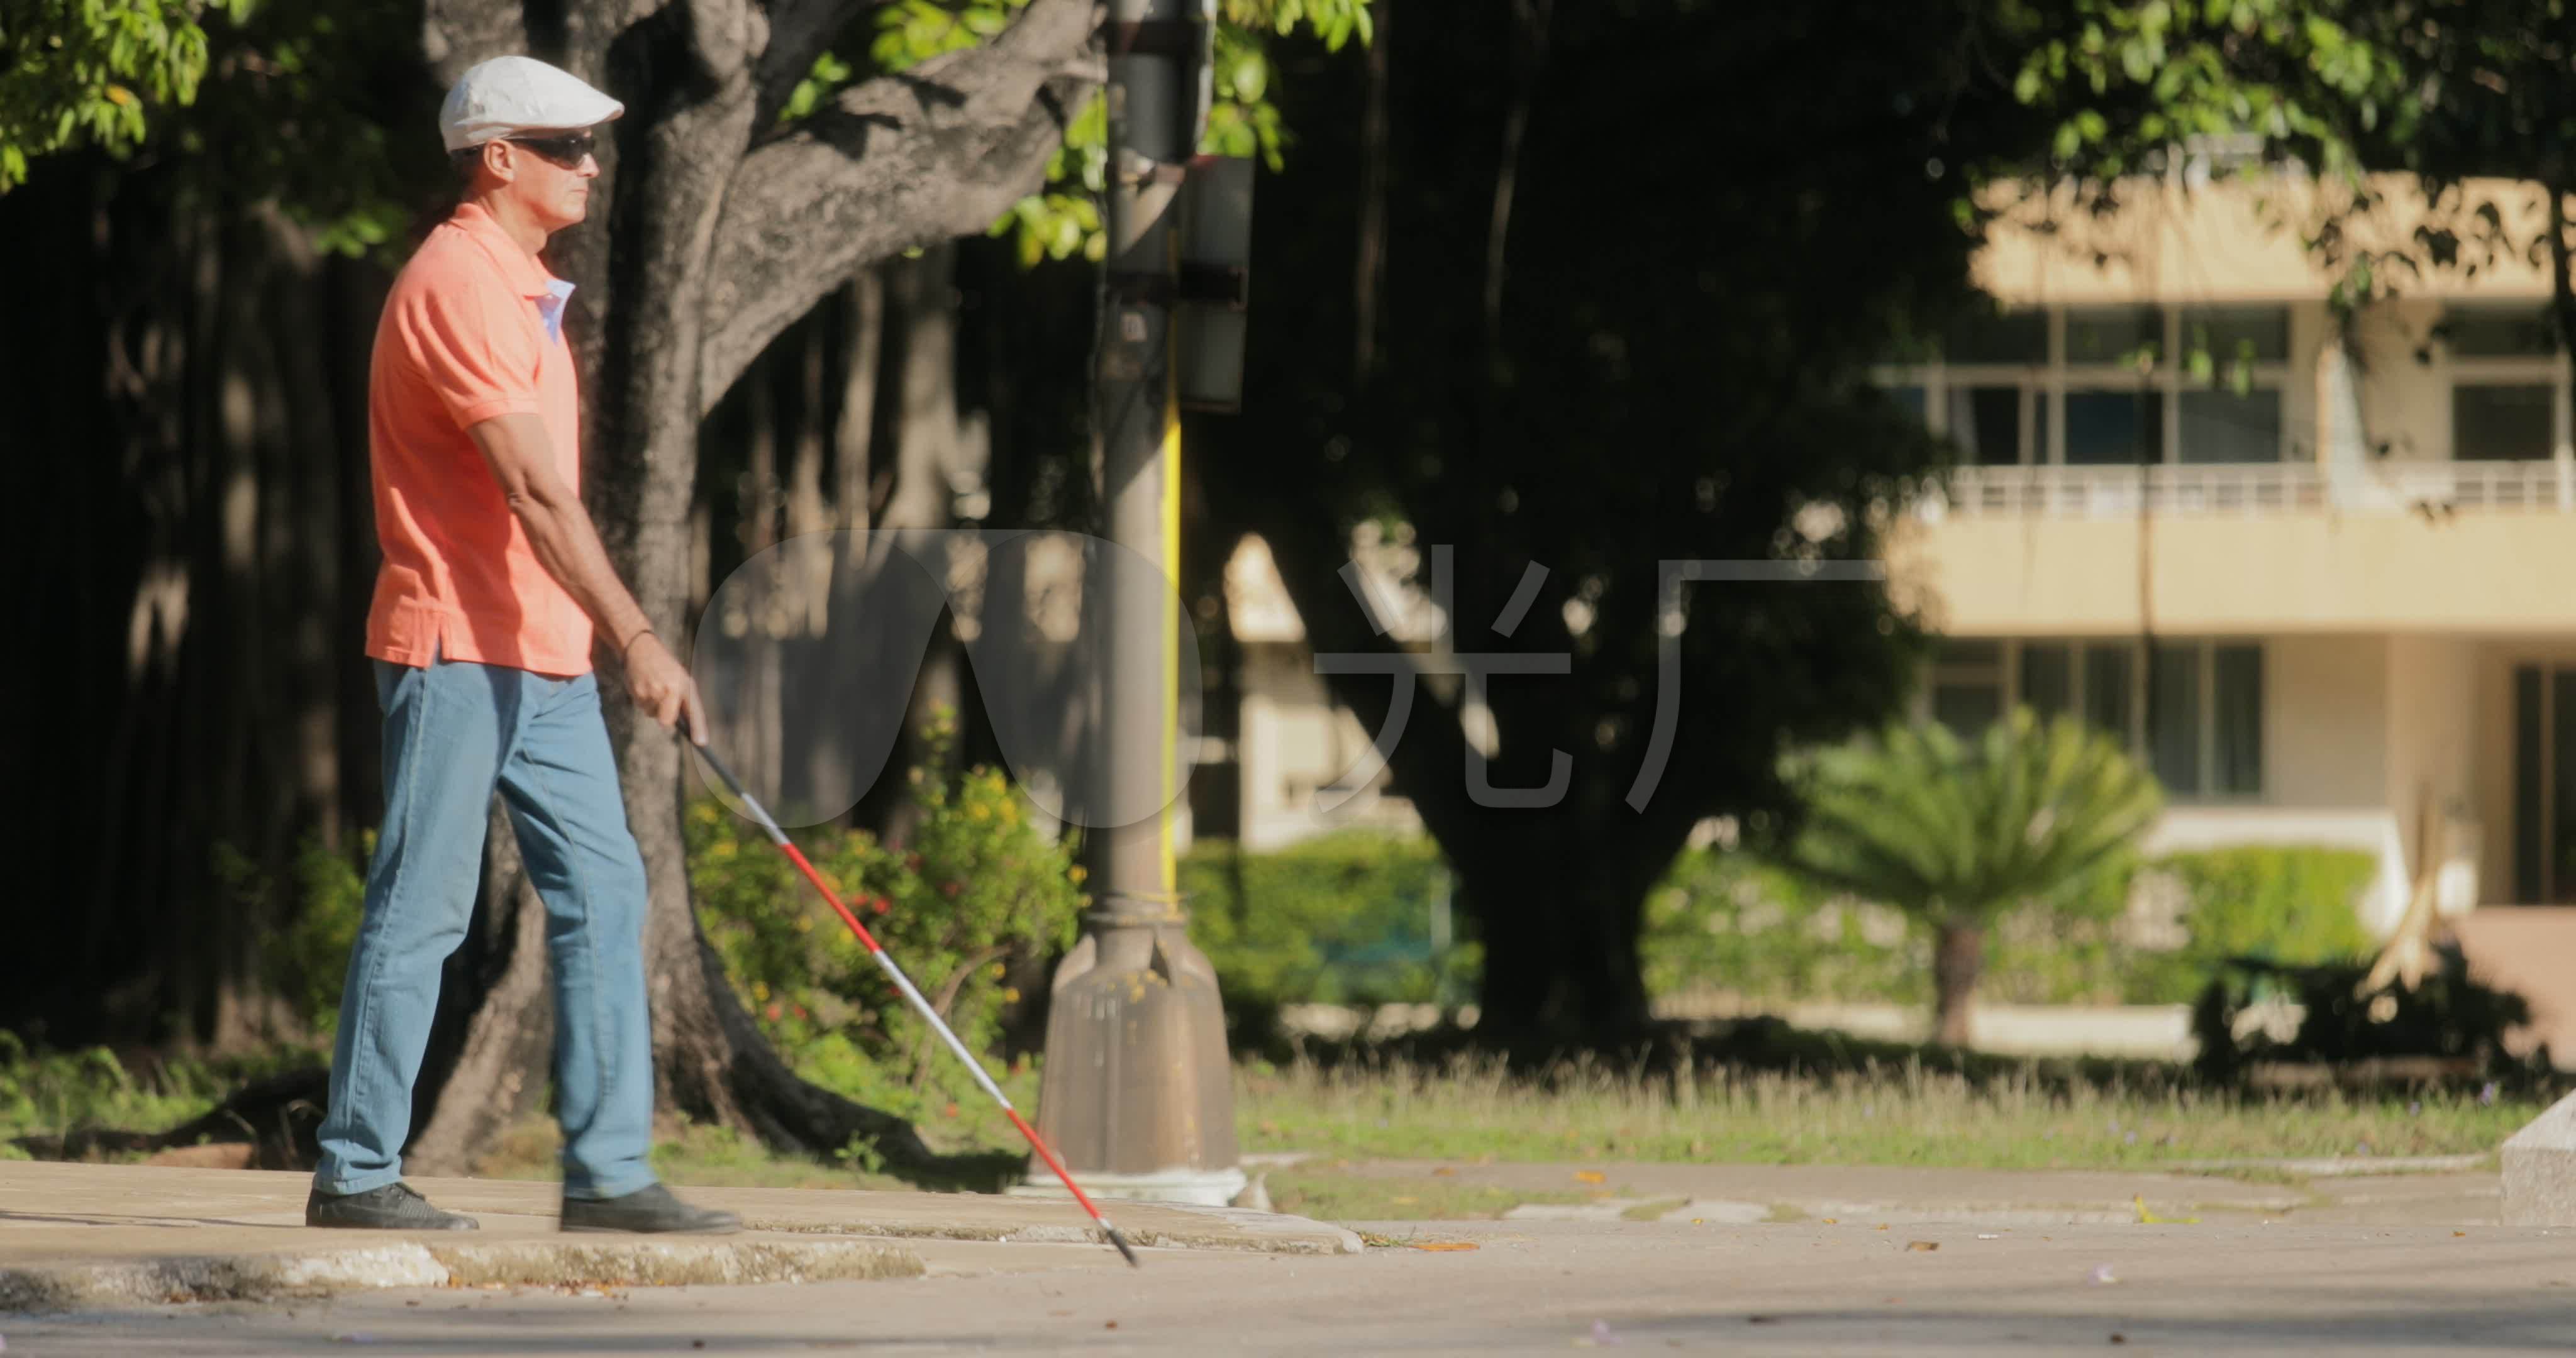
(2467, 103)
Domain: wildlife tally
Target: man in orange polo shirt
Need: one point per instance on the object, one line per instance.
(493, 589)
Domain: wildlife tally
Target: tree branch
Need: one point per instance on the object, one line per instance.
(1533, 19)
(723, 36)
(933, 153)
(799, 31)
(939, 1005)
(455, 34)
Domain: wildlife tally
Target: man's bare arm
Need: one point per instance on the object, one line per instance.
(567, 543)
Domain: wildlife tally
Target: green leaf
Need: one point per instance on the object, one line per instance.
(2137, 60)
(1251, 80)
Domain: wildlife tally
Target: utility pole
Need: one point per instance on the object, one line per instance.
(1138, 1093)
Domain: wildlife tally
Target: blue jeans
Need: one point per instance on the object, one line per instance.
(454, 732)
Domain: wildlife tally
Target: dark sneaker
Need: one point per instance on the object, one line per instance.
(394, 1207)
(651, 1211)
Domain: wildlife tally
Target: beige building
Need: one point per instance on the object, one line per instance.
(2354, 548)
(2351, 545)
(1302, 764)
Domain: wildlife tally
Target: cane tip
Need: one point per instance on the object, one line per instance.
(1123, 1247)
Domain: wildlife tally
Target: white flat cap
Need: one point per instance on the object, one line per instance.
(510, 95)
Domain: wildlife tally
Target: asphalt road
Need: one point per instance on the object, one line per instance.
(1540, 1286)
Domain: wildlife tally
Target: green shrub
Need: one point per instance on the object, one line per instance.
(310, 960)
(1340, 919)
(1732, 921)
(2289, 905)
(307, 962)
(47, 1093)
(1728, 921)
(975, 887)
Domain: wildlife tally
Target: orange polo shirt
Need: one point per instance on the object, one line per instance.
(472, 329)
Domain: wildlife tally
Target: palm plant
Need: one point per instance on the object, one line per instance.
(1957, 831)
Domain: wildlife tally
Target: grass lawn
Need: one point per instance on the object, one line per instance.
(1470, 1108)
(46, 1093)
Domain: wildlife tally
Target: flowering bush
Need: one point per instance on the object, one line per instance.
(975, 886)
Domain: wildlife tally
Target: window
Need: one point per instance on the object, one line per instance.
(2114, 411)
(2503, 423)
(2006, 337)
(1990, 387)
(2232, 365)
(2205, 718)
(2544, 784)
(2530, 755)
(2109, 386)
(2220, 426)
(2236, 733)
(2126, 336)
(2499, 330)
(1988, 422)
(2173, 717)
(2106, 687)
(2233, 335)
(2114, 428)
(2508, 382)
(1968, 685)
(2090, 679)
(2048, 677)
(2201, 728)
(1967, 708)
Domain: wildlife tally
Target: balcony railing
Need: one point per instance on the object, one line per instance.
(2252, 489)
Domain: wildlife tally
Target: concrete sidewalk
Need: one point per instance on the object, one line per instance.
(1541, 1287)
(2433, 1192)
(86, 1236)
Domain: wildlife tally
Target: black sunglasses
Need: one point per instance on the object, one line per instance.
(566, 150)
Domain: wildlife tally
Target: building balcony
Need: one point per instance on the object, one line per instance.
(2252, 489)
(2251, 548)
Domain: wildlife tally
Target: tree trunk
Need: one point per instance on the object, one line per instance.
(752, 735)
(854, 435)
(1958, 958)
(1560, 947)
(920, 353)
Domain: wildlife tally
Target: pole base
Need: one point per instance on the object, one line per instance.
(1138, 1090)
(1197, 1187)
